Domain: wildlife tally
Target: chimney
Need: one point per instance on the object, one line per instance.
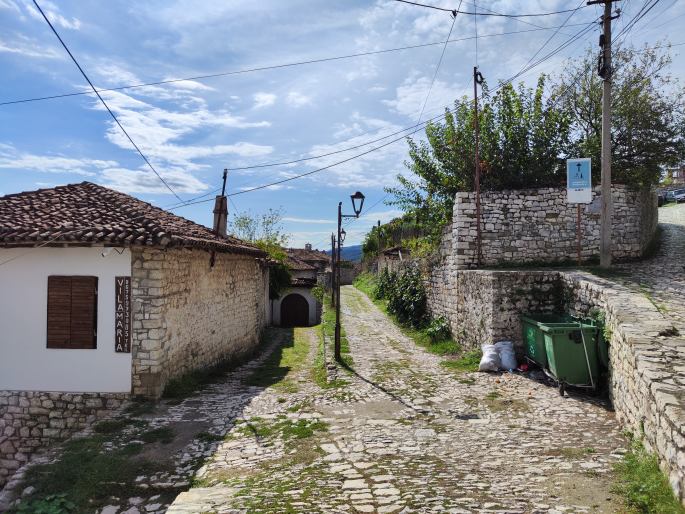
(308, 246)
(220, 215)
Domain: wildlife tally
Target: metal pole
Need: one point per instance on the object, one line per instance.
(378, 253)
(607, 204)
(332, 269)
(477, 163)
(337, 288)
(578, 232)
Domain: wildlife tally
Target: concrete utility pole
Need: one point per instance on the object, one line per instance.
(604, 70)
(333, 270)
(477, 79)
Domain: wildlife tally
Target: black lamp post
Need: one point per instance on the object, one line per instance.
(357, 204)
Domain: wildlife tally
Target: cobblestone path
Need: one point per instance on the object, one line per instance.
(404, 434)
(662, 278)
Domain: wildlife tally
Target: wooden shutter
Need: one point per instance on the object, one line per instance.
(72, 312)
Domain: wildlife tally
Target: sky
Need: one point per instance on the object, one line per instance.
(191, 130)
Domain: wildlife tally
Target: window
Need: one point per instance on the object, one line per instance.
(72, 312)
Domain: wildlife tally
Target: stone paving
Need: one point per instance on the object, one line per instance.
(404, 434)
(662, 278)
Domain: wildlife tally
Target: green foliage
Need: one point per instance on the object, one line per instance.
(643, 485)
(438, 329)
(53, 504)
(163, 435)
(468, 362)
(407, 298)
(647, 113)
(318, 292)
(522, 140)
(384, 284)
(111, 426)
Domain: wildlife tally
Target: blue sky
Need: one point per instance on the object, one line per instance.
(192, 130)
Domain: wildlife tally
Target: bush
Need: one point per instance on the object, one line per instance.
(407, 298)
(438, 330)
(319, 292)
(384, 287)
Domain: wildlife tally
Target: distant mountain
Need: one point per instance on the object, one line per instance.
(350, 253)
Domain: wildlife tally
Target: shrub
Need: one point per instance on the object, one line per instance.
(438, 329)
(407, 299)
(318, 292)
(384, 287)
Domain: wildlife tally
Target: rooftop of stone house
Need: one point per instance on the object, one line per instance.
(87, 213)
(307, 254)
(296, 264)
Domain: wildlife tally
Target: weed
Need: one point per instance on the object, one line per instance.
(111, 426)
(163, 435)
(643, 485)
(467, 362)
(53, 504)
(287, 357)
(207, 437)
(140, 406)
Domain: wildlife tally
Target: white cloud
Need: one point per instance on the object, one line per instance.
(144, 181)
(308, 221)
(9, 4)
(263, 100)
(410, 96)
(27, 47)
(12, 159)
(295, 99)
(52, 13)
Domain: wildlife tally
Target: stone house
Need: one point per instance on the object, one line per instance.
(104, 296)
(297, 307)
(392, 258)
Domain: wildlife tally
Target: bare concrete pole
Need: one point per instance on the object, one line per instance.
(476, 128)
(607, 203)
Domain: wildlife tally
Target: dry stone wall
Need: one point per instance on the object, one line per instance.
(187, 315)
(537, 225)
(30, 421)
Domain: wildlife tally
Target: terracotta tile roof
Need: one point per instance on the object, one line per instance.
(307, 255)
(296, 264)
(88, 213)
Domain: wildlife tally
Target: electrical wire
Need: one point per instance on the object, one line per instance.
(437, 68)
(445, 9)
(263, 68)
(103, 101)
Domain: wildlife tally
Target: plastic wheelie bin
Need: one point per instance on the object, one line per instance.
(534, 327)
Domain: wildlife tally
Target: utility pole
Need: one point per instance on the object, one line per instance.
(332, 269)
(477, 79)
(604, 70)
(378, 233)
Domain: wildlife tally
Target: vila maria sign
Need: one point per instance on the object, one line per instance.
(579, 180)
(122, 314)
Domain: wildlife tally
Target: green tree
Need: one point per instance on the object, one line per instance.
(266, 232)
(522, 141)
(647, 113)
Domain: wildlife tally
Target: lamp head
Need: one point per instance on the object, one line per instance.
(357, 202)
(342, 235)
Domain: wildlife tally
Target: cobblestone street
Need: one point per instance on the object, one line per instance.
(662, 278)
(404, 434)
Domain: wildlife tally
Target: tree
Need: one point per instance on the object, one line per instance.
(522, 141)
(266, 232)
(647, 113)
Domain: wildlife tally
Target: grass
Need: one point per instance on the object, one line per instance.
(162, 435)
(111, 426)
(465, 363)
(642, 484)
(366, 283)
(282, 427)
(85, 476)
(277, 369)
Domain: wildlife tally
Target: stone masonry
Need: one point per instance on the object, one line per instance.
(187, 316)
(33, 420)
(537, 225)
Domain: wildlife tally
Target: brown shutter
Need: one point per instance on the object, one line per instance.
(72, 312)
(83, 312)
(59, 312)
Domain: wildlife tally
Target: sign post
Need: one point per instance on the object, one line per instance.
(122, 314)
(578, 190)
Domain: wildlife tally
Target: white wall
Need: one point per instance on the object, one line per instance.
(302, 291)
(25, 362)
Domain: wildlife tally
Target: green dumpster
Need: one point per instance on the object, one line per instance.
(534, 328)
(572, 354)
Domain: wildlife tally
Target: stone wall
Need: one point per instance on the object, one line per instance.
(537, 225)
(646, 359)
(30, 421)
(187, 315)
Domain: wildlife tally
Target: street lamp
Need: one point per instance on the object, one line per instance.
(357, 204)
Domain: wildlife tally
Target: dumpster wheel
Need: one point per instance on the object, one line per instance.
(562, 388)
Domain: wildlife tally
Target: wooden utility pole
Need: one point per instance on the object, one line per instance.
(332, 269)
(477, 79)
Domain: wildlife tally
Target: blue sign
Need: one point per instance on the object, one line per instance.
(579, 180)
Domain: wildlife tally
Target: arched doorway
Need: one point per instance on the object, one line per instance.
(294, 311)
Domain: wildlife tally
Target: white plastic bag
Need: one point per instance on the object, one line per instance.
(490, 360)
(507, 356)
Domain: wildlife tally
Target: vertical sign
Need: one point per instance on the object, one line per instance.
(578, 180)
(122, 314)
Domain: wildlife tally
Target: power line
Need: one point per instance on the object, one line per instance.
(103, 101)
(437, 68)
(482, 13)
(264, 68)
